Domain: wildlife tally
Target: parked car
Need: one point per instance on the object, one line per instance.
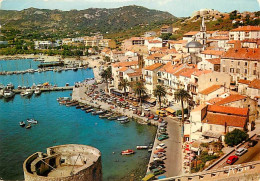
(240, 151)
(232, 159)
(162, 137)
(146, 109)
(252, 143)
(156, 117)
(160, 113)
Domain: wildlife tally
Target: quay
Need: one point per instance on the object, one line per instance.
(46, 89)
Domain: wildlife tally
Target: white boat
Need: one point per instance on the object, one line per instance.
(37, 91)
(9, 86)
(1, 93)
(8, 94)
(22, 123)
(32, 121)
(141, 147)
(27, 93)
(122, 118)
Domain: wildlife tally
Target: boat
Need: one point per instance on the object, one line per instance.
(28, 126)
(105, 115)
(112, 118)
(98, 112)
(141, 147)
(124, 121)
(79, 106)
(9, 86)
(8, 94)
(37, 91)
(122, 118)
(28, 92)
(75, 69)
(89, 110)
(127, 152)
(34, 121)
(86, 108)
(22, 123)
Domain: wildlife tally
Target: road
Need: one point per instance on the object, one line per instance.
(173, 162)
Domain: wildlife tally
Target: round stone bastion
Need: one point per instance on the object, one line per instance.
(70, 162)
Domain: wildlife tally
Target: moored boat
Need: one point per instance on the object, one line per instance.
(34, 121)
(112, 118)
(22, 123)
(141, 147)
(28, 126)
(89, 110)
(8, 94)
(127, 152)
(37, 91)
(122, 118)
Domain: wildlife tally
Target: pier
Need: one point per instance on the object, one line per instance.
(46, 89)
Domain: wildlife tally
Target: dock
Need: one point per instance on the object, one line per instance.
(46, 89)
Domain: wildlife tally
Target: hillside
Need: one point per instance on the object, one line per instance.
(32, 22)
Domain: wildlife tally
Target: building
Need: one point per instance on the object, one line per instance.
(245, 32)
(192, 35)
(64, 162)
(210, 92)
(210, 64)
(150, 77)
(166, 29)
(242, 63)
(45, 44)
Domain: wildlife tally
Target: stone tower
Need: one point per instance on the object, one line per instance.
(203, 33)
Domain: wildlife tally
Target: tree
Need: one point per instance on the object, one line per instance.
(124, 83)
(139, 90)
(159, 92)
(235, 137)
(107, 59)
(182, 95)
(106, 75)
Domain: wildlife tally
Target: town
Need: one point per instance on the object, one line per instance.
(201, 90)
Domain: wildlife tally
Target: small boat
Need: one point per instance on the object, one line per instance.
(27, 93)
(8, 94)
(32, 121)
(99, 112)
(89, 110)
(124, 121)
(112, 118)
(22, 123)
(37, 91)
(141, 147)
(75, 69)
(10, 86)
(122, 118)
(86, 108)
(127, 152)
(28, 126)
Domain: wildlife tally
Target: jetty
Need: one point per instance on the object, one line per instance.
(46, 89)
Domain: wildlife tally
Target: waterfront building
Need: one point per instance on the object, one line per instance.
(64, 162)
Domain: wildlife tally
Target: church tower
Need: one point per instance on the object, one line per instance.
(203, 33)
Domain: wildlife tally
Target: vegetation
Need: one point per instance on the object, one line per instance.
(140, 90)
(159, 92)
(124, 84)
(182, 95)
(106, 76)
(235, 137)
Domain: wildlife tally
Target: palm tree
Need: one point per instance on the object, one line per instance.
(159, 92)
(182, 95)
(106, 75)
(124, 83)
(140, 90)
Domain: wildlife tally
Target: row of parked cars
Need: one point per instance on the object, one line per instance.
(240, 151)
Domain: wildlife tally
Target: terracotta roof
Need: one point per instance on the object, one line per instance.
(233, 41)
(219, 38)
(178, 73)
(189, 72)
(155, 41)
(137, 38)
(214, 100)
(214, 61)
(251, 41)
(243, 54)
(191, 33)
(153, 67)
(199, 108)
(228, 110)
(138, 73)
(223, 33)
(210, 89)
(123, 69)
(242, 81)
(201, 72)
(213, 52)
(231, 98)
(155, 55)
(223, 119)
(177, 42)
(125, 64)
(247, 28)
(255, 84)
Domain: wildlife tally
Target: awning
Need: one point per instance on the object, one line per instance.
(170, 110)
(211, 134)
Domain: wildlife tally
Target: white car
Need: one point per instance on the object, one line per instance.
(240, 151)
(159, 147)
(146, 109)
(162, 145)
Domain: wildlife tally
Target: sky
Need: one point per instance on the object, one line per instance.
(179, 8)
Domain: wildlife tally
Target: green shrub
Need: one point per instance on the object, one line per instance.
(235, 137)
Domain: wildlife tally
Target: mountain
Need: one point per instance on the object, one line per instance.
(33, 21)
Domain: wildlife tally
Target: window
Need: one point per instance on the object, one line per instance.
(238, 71)
(245, 63)
(131, 79)
(245, 71)
(216, 79)
(254, 72)
(231, 70)
(210, 127)
(238, 63)
(224, 69)
(210, 80)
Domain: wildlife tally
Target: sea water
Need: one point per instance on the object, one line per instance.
(66, 125)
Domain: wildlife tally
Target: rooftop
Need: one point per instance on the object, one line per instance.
(231, 98)
(243, 54)
(214, 61)
(242, 81)
(247, 28)
(210, 89)
(228, 110)
(191, 33)
(255, 84)
(153, 67)
(213, 52)
(125, 64)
